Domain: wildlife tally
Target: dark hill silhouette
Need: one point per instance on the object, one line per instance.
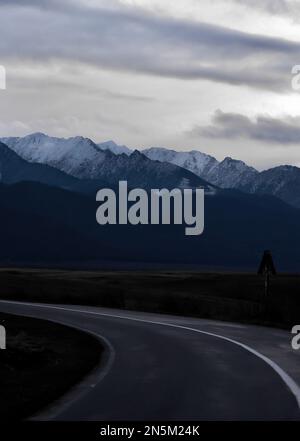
(45, 224)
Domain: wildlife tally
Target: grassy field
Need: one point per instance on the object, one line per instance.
(42, 361)
(225, 296)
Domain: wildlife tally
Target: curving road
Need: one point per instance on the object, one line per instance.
(174, 368)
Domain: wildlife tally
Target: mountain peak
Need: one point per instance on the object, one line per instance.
(229, 159)
(137, 154)
(36, 136)
(70, 155)
(114, 148)
(80, 139)
(286, 167)
(110, 143)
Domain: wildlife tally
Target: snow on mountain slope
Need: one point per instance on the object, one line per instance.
(282, 181)
(141, 171)
(231, 173)
(10, 142)
(155, 167)
(83, 159)
(194, 161)
(115, 148)
(14, 169)
(76, 156)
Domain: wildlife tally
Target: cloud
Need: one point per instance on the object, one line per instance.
(275, 7)
(134, 40)
(34, 3)
(18, 128)
(285, 130)
(271, 6)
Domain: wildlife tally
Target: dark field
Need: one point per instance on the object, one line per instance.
(224, 296)
(42, 361)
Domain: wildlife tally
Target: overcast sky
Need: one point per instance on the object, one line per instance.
(212, 75)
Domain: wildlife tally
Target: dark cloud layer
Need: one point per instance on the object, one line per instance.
(35, 3)
(263, 128)
(129, 39)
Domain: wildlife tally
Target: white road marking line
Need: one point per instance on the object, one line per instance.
(81, 389)
(289, 382)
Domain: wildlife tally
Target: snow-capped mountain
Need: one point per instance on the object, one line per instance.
(231, 173)
(195, 161)
(228, 173)
(282, 182)
(14, 169)
(82, 158)
(76, 156)
(155, 167)
(141, 171)
(115, 148)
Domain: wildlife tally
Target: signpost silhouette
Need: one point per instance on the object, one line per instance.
(267, 268)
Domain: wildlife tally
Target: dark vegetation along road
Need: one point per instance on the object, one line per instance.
(158, 367)
(221, 296)
(42, 361)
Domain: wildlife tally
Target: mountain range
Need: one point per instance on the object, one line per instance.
(47, 200)
(282, 181)
(14, 169)
(109, 163)
(81, 158)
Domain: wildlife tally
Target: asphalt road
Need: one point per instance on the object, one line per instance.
(159, 367)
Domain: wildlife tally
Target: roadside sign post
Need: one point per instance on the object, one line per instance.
(266, 269)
